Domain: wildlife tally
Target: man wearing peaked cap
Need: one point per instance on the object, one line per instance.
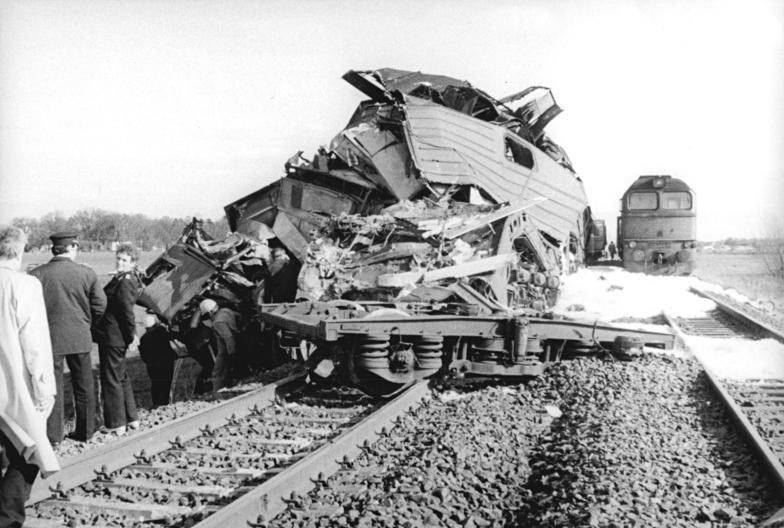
(74, 301)
(63, 239)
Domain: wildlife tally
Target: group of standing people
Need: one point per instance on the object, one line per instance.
(48, 318)
(53, 315)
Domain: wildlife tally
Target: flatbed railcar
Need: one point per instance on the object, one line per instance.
(381, 348)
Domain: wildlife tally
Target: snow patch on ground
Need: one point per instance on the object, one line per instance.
(740, 359)
(608, 294)
(612, 293)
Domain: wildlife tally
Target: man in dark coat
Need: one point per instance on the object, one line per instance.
(74, 301)
(611, 248)
(225, 324)
(115, 333)
(156, 351)
(281, 284)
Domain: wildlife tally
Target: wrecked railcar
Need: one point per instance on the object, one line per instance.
(430, 174)
(431, 234)
(196, 267)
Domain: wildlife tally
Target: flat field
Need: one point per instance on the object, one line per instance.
(749, 275)
(101, 261)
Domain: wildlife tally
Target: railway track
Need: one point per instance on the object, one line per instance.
(756, 405)
(224, 467)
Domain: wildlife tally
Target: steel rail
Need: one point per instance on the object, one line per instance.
(267, 498)
(736, 312)
(83, 468)
(768, 458)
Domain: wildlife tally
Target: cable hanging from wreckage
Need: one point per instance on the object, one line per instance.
(429, 237)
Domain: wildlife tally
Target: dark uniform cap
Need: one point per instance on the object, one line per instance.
(64, 238)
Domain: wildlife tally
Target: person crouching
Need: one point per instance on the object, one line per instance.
(225, 325)
(156, 351)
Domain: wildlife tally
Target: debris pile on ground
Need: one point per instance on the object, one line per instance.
(592, 443)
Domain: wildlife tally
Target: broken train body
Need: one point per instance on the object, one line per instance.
(432, 180)
(430, 236)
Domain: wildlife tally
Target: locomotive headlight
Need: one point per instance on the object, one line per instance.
(658, 183)
(632, 244)
(638, 255)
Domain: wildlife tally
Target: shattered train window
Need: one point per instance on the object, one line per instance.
(296, 196)
(517, 153)
(676, 200)
(642, 201)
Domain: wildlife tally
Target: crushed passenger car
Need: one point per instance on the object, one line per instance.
(431, 180)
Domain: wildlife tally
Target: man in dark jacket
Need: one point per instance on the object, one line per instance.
(115, 333)
(225, 324)
(156, 351)
(74, 301)
(281, 284)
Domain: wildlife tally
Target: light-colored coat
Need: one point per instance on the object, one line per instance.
(25, 367)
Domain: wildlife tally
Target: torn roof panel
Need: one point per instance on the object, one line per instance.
(389, 155)
(453, 148)
(377, 84)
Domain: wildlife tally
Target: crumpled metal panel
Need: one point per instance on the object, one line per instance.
(181, 274)
(452, 148)
(377, 84)
(384, 156)
(538, 108)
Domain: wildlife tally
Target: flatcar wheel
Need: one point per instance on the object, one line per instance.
(364, 379)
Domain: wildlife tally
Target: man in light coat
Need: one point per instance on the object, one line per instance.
(27, 386)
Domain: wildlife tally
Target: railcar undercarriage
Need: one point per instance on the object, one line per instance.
(381, 347)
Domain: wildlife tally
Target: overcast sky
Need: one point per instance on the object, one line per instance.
(175, 108)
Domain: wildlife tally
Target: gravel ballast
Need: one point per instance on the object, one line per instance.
(639, 443)
(185, 403)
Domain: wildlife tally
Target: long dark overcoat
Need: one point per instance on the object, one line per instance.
(74, 301)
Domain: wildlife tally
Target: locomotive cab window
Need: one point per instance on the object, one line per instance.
(676, 200)
(640, 201)
(517, 153)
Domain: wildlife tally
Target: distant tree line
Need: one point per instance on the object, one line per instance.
(759, 243)
(771, 250)
(762, 245)
(99, 229)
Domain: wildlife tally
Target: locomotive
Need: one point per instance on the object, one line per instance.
(657, 226)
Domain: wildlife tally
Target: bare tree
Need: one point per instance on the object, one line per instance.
(773, 250)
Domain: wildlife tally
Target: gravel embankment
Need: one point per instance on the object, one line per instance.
(641, 443)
